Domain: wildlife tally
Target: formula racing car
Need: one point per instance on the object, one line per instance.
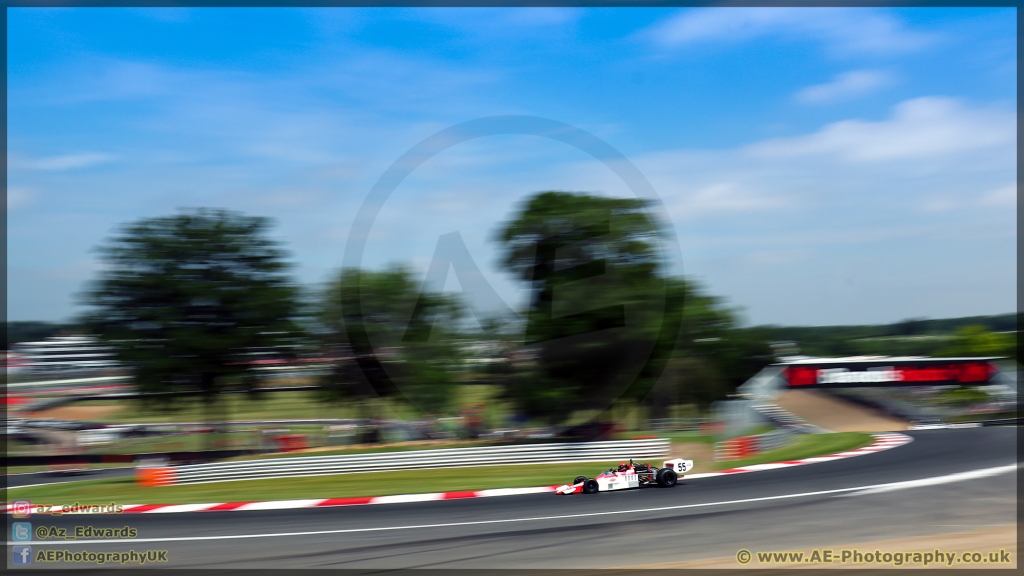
(631, 475)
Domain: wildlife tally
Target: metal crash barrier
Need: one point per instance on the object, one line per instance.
(268, 468)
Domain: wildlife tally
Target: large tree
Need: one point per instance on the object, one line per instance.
(593, 267)
(710, 357)
(402, 341)
(189, 300)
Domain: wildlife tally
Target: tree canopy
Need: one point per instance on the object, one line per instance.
(190, 300)
(977, 341)
(594, 271)
(710, 357)
(402, 339)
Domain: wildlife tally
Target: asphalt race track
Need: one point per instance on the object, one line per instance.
(814, 505)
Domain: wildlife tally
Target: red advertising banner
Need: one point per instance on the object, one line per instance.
(939, 372)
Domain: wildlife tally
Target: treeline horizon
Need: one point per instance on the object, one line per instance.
(189, 300)
(34, 330)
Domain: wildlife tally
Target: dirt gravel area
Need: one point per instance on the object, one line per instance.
(984, 541)
(702, 454)
(835, 414)
(82, 413)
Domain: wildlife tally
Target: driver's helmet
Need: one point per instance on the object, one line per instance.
(623, 466)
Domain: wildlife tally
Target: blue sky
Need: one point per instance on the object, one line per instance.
(819, 166)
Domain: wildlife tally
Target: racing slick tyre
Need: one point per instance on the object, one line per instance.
(667, 477)
(590, 486)
(579, 479)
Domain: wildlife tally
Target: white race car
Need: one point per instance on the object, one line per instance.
(632, 475)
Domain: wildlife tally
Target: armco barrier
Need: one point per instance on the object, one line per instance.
(413, 460)
(679, 424)
(774, 439)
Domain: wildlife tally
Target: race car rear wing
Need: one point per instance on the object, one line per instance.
(679, 465)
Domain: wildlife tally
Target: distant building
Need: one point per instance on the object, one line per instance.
(863, 371)
(14, 363)
(485, 352)
(803, 372)
(63, 354)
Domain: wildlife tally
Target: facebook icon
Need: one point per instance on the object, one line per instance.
(22, 554)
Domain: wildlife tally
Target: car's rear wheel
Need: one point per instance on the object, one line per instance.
(590, 486)
(667, 477)
(579, 479)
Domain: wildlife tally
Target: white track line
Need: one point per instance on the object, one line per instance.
(959, 477)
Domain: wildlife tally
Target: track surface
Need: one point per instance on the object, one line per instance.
(609, 529)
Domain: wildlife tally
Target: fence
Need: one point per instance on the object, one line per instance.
(787, 419)
(405, 460)
(680, 424)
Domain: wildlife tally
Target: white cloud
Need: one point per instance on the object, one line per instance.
(1005, 196)
(18, 197)
(723, 197)
(922, 128)
(843, 86)
(842, 30)
(999, 197)
(930, 155)
(64, 162)
(941, 204)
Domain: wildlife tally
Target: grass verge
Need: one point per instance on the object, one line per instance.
(125, 491)
(805, 446)
(269, 406)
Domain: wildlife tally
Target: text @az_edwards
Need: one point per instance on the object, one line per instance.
(84, 532)
(25, 509)
(877, 557)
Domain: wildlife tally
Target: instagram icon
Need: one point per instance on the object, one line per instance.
(21, 509)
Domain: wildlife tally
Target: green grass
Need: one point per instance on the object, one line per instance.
(758, 429)
(292, 405)
(271, 406)
(984, 416)
(125, 491)
(693, 436)
(676, 436)
(805, 446)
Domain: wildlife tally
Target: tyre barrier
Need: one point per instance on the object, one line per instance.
(270, 468)
(746, 446)
(155, 476)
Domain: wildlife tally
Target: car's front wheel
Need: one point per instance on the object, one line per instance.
(579, 479)
(667, 477)
(590, 486)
